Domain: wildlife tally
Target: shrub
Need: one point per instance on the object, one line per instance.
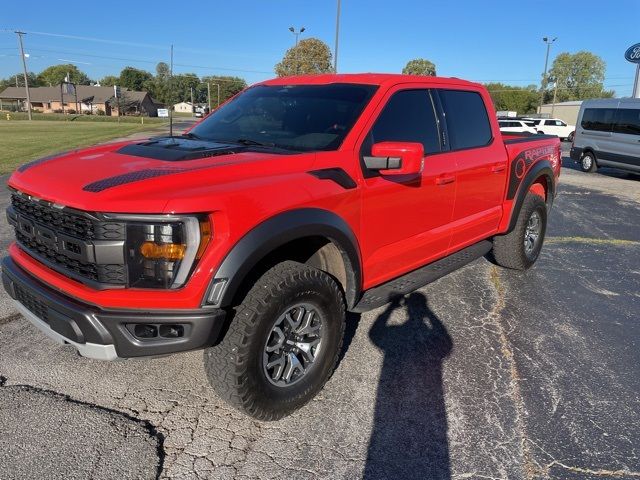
(71, 111)
(100, 112)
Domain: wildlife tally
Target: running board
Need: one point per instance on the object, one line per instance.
(383, 294)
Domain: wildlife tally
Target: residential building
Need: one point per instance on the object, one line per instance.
(85, 98)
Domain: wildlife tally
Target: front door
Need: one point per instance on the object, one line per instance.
(405, 221)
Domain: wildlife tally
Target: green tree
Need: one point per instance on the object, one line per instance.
(11, 81)
(55, 75)
(419, 66)
(134, 79)
(109, 81)
(310, 56)
(580, 76)
(162, 70)
(518, 99)
(229, 86)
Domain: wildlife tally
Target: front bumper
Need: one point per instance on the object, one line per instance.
(108, 334)
(575, 153)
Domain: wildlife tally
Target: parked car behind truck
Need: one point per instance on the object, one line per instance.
(252, 234)
(608, 135)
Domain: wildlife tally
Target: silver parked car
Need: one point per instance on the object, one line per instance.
(608, 135)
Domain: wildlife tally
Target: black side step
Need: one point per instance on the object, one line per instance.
(383, 294)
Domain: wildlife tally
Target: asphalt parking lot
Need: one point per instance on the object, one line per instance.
(485, 374)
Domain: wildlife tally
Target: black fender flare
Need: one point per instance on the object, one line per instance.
(542, 168)
(276, 232)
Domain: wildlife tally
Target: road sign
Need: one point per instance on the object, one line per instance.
(163, 112)
(116, 91)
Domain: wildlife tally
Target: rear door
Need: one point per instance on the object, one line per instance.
(405, 221)
(625, 142)
(481, 165)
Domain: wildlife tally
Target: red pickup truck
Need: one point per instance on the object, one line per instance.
(253, 233)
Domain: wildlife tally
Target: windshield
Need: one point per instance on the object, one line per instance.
(296, 117)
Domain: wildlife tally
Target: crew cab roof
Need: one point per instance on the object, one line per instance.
(380, 79)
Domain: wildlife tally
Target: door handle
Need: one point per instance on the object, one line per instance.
(445, 179)
(498, 168)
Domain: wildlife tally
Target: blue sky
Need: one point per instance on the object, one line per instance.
(476, 40)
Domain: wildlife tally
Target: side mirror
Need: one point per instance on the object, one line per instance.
(396, 158)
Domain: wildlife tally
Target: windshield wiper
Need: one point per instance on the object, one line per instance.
(249, 142)
(192, 135)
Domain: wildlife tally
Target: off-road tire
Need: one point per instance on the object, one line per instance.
(588, 162)
(509, 250)
(235, 366)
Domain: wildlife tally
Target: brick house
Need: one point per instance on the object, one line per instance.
(87, 98)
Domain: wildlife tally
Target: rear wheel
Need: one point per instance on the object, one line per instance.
(519, 249)
(588, 163)
(282, 344)
(570, 137)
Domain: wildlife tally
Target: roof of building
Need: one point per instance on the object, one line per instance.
(572, 103)
(85, 92)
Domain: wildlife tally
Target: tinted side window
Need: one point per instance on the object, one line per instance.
(627, 121)
(467, 120)
(598, 119)
(408, 116)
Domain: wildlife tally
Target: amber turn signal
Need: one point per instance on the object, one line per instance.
(205, 236)
(165, 251)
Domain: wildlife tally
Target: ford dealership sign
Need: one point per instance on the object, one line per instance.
(633, 53)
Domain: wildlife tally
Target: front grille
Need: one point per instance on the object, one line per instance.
(35, 306)
(56, 219)
(74, 234)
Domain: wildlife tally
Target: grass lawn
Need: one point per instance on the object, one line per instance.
(22, 141)
(57, 117)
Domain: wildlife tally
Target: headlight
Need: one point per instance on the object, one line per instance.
(160, 252)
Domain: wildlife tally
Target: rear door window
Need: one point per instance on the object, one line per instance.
(627, 121)
(598, 119)
(467, 120)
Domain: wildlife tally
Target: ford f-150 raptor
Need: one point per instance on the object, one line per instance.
(251, 235)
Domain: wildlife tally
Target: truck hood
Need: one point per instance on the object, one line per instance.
(145, 177)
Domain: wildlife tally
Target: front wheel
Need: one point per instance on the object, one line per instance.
(282, 343)
(588, 163)
(519, 249)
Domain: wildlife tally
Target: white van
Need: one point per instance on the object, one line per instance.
(608, 134)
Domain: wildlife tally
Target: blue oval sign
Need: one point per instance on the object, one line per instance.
(633, 53)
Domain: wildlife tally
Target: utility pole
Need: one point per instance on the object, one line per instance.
(335, 53)
(193, 107)
(24, 67)
(209, 95)
(548, 41)
(218, 104)
(171, 94)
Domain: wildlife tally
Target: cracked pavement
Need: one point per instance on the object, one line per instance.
(484, 374)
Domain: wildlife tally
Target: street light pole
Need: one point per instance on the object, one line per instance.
(335, 53)
(24, 68)
(548, 41)
(297, 34)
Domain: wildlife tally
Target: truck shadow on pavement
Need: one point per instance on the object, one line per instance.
(409, 436)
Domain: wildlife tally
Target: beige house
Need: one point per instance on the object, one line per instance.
(183, 107)
(85, 98)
